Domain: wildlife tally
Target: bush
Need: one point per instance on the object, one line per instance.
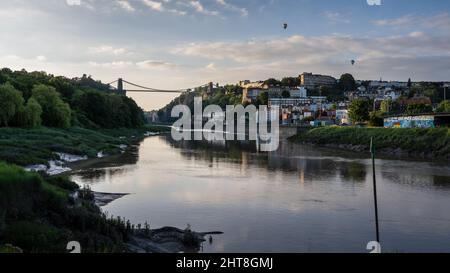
(432, 140)
(376, 119)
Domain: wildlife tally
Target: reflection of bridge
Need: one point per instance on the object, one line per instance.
(143, 89)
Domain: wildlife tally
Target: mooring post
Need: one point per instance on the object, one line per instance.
(372, 151)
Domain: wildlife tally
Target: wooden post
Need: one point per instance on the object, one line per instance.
(372, 151)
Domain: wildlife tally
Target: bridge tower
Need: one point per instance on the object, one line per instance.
(120, 90)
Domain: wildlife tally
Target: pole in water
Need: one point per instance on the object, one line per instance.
(372, 151)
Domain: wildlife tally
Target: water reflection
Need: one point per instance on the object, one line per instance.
(296, 199)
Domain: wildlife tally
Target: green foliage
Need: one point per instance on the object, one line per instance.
(414, 109)
(376, 119)
(38, 216)
(416, 140)
(272, 82)
(32, 114)
(333, 93)
(290, 81)
(37, 146)
(10, 102)
(263, 98)
(347, 82)
(389, 106)
(286, 94)
(62, 102)
(359, 110)
(107, 110)
(55, 113)
(444, 107)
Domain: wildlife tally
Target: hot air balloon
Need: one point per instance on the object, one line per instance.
(285, 26)
(353, 62)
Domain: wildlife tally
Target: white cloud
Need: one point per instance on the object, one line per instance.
(152, 64)
(159, 6)
(400, 21)
(198, 6)
(242, 11)
(420, 52)
(124, 4)
(439, 21)
(41, 58)
(336, 17)
(73, 2)
(112, 65)
(154, 5)
(211, 66)
(106, 49)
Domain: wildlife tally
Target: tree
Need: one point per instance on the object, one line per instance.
(444, 107)
(415, 108)
(272, 82)
(376, 119)
(290, 81)
(55, 112)
(10, 102)
(347, 82)
(286, 94)
(359, 110)
(32, 114)
(409, 83)
(263, 98)
(389, 106)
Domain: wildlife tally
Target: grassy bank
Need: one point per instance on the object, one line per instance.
(433, 142)
(37, 146)
(39, 215)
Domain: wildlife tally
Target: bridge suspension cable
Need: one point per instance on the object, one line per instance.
(146, 89)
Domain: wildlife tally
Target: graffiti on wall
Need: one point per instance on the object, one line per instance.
(425, 121)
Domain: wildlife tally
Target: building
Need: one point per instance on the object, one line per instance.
(384, 84)
(293, 110)
(300, 92)
(418, 121)
(250, 94)
(251, 90)
(310, 80)
(342, 117)
(151, 116)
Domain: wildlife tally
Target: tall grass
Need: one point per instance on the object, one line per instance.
(31, 146)
(432, 140)
(38, 215)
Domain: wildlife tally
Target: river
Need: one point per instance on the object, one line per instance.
(297, 199)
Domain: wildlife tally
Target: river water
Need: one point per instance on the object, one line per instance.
(297, 199)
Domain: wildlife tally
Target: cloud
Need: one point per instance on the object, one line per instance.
(106, 49)
(336, 17)
(439, 21)
(416, 51)
(124, 4)
(112, 65)
(400, 21)
(198, 6)
(154, 5)
(242, 11)
(159, 6)
(211, 66)
(73, 2)
(41, 58)
(152, 64)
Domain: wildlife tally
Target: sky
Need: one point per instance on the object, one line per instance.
(174, 44)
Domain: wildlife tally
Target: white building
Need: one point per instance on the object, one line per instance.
(300, 92)
(342, 117)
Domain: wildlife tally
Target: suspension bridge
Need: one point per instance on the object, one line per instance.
(120, 88)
